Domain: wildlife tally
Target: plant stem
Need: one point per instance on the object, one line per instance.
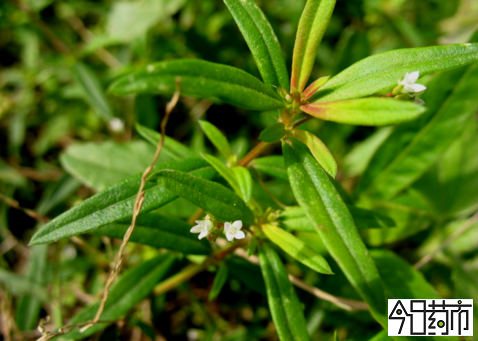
(182, 276)
(255, 152)
(308, 118)
(193, 269)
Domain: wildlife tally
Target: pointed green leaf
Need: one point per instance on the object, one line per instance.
(130, 289)
(210, 196)
(312, 26)
(295, 219)
(217, 138)
(367, 111)
(318, 149)
(273, 133)
(285, 307)
(174, 149)
(328, 213)
(99, 165)
(314, 86)
(92, 90)
(262, 41)
(244, 179)
(380, 73)
(219, 281)
(239, 178)
(202, 79)
(115, 204)
(401, 280)
(160, 232)
(297, 249)
(414, 147)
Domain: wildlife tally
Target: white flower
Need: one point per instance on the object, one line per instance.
(234, 230)
(203, 227)
(409, 85)
(116, 125)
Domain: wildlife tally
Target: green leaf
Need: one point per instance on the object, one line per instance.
(297, 249)
(327, 212)
(130, 289)
(367, 219)
(380, 73)
(381, 336)
(174, 149)
(262, 41)
(217, 138)
(366, 111)
(20, 285)
(314, 86)
(356, 161)
(318, 149)
(160, 232)
(295, 219)
(127, 20)
(92, 90)
(210, 196)
(285, 307)
(244, 179)
(238, 177)
(414, 147)
(202, 79)
(409, 216)
(219, 281)
(401, 280)
(272, 165)
(312, 26)
(100, 165)
(115, 204)
(273, 133)
(451, 190)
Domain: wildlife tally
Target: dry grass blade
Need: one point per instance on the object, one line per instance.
(137, 206)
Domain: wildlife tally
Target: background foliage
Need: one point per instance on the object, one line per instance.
(59, 145)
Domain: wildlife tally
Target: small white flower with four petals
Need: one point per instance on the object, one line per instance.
(203, 227)
(410, 86)
(234, 230)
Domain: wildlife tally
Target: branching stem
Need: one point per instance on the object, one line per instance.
(255, 152)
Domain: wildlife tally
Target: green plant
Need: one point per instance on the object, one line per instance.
(375, 91)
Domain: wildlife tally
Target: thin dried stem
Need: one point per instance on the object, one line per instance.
(31, 213)
(469, 223)
(56, 42)
(137, 208)
(86, 36)
(7, 321)
(47, 335)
